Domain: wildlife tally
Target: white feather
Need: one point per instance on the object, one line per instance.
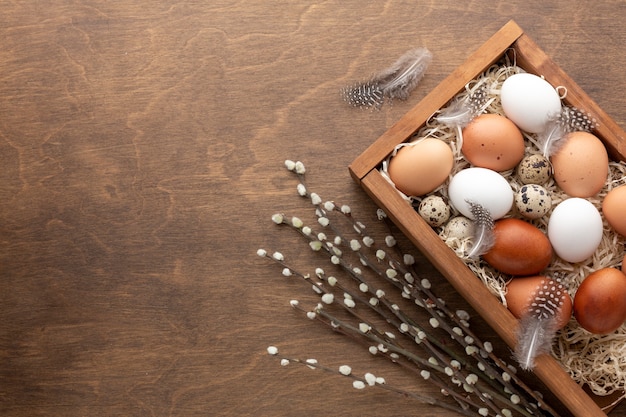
(460, 113)
(551, 139)
(456, 114)
(402, 77)
(534, 338)
(483, 237)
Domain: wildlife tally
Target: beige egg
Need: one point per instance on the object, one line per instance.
(533, 201)
(459, 227)
(581, 165)
(434, 210)
(614, 209)
(493, 141)
(534, 169)
(420, 168)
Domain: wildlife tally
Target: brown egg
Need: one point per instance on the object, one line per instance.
(519, 249)
(600, 301)
(493, 141)
(419, 169)
(581, 165)
(521, 291)
(614, 209)
(624, 264)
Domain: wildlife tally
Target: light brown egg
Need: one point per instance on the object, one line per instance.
(493, 141)
(520, 248)
(419, 169)
(520, 292)
(614, 209)
(600, 301)
(581, 165)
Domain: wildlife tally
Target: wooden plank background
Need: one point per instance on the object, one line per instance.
(142, 147)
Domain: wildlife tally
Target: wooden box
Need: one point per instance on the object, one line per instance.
(365, 170)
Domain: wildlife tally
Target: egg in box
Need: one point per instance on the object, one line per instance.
(529, 101)
(600, 301)
(581, 165)
(420, 167)
(519, 296)
(575, 229)
(493, 141)
(534, 169)
(614, 209)
(520, 248)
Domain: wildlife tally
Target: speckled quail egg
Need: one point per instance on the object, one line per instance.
(534, 169)
(533, 201)
(434, 210)
(459, 227)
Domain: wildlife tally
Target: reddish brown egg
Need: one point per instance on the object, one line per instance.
(521, 291)
(600, 301)
(493, 141)
(520, 248)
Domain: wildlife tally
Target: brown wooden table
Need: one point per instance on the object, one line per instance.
(142, 147)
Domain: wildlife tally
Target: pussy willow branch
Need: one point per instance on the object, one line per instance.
(351, 331)
(450, 371)
(370, 334)
(419, 397)
(413, 288)
(380, 339)
(404, 353)
(490, 354)
(428, 300)
(440, 307)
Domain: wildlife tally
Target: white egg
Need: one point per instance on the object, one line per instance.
(483, 186)
(575, 229)
(529, 101)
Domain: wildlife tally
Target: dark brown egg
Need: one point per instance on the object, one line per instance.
(600, 301)
(520, 248)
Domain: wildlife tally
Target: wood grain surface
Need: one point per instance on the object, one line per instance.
(142, 147)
